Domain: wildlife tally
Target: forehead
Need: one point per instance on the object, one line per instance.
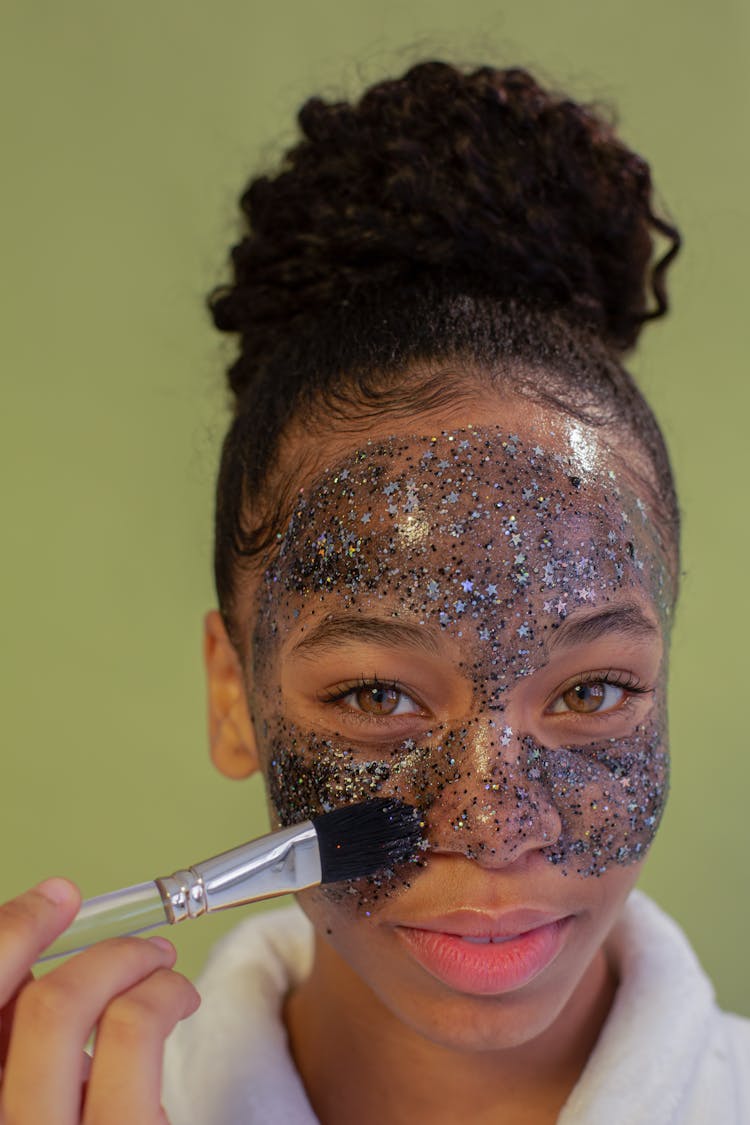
(442, 525)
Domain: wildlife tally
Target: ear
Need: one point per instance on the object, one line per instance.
(230, 728)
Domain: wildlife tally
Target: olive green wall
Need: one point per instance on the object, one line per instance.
(128, 131)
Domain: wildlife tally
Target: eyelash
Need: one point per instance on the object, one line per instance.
(626, 680)
(629, 683)
(364, 683)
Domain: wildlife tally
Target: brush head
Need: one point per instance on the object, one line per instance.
(366, 838)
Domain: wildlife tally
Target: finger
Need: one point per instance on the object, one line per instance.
(6, 1020)
(54, 1015)
(28, 924)
(125, 1081)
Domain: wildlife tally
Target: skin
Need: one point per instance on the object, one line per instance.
(368, 1008)
(125, 988)
(470, 741)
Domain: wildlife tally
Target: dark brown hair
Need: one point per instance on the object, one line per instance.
(446, 215)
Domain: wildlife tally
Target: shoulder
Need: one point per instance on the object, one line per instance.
(720, 1083)
(230, 1061)
(667, 1053)
(733, 1046)
(272, 945)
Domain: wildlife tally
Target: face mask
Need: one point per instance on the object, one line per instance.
(499, 547)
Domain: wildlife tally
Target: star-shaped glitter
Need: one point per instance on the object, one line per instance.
(516, 540)
(433, 589)
(467, 586)
(452, 498)
(484, 633)
(523, 630)
(521, 558)
(390, 488)
(549, 574)
(548, 607)
(506, 736)
(491, 590)
(561, 608)
(459, 606)
(366, 517)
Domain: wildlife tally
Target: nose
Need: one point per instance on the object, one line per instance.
(491, 803)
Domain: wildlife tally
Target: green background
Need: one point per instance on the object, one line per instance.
(128, 130)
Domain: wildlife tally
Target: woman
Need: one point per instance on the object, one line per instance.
(447, 558)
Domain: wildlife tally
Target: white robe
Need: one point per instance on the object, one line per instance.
(666, 1055)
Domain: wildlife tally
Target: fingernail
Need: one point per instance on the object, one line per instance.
(163, 944)
(56, 891)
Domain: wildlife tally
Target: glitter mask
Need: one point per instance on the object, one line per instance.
(496, 543)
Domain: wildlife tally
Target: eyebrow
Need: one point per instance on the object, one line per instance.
(338, 629)
(627, 619)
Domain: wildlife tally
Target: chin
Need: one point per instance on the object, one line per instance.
(482, 1023)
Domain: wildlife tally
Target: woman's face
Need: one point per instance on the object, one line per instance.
(473, 620)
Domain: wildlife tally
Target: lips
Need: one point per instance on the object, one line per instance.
(486, 956)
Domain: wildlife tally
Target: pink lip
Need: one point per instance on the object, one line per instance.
(532, 942)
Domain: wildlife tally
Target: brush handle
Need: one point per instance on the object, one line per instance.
(128, 911)
(279, 863)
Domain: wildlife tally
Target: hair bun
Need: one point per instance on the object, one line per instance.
(484, 177)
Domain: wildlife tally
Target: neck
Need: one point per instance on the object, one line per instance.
(358, 1061)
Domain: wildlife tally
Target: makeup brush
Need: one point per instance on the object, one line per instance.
(348, 843)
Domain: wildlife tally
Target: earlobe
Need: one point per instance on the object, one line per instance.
(230, 729)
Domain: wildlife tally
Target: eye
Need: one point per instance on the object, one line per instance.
(376, 699)
(379, 699)
(586, 698)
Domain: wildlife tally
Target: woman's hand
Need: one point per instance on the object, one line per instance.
(124, 988)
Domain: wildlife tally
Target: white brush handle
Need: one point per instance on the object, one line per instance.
(279, 863)
(128, 911)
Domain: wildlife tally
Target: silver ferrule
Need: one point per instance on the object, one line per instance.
(277, 864)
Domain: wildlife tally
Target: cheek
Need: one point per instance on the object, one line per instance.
(307, 775)
(487, 794)
(610, 801)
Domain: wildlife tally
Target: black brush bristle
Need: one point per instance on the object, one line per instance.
(366, 838)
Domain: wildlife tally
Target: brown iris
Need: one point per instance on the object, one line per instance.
(377, 700)
(585, 698)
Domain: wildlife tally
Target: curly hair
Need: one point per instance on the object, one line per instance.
(446, 214)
